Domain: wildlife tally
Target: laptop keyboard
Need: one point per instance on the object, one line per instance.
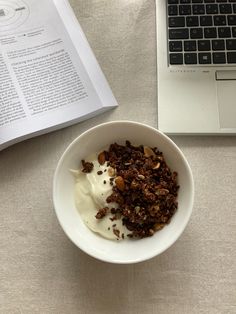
(202, 32)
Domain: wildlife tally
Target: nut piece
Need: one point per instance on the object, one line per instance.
(120, 183)
(102, 158)
(158, 226)
(151, 232)
(141, 177)
(111, 172)
(148, 152)
(157, 166)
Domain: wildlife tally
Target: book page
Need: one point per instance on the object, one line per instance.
(86, 55)
(42, 78)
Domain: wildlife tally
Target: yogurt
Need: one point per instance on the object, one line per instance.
(91, 192)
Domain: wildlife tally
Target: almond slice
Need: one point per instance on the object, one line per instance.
(120, 183)
(101, 158)
(148, 152)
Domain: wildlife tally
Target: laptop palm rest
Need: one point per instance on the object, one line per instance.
(226, 87)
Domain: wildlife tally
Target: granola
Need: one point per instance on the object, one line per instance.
(143, 187)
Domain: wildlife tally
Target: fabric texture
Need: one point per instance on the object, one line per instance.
(41, 271)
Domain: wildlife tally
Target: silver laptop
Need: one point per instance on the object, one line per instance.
(196, 63)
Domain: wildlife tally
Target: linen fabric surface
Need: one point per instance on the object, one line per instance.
(41, 271)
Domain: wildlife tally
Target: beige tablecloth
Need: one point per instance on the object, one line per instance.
(41, 271)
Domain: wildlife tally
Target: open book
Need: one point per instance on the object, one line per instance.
(49, 77)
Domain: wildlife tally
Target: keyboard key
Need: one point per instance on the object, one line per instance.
(196, 33)
(175, 46)
(184, 9)
(234, 31)
(204, 58)
(198, 9)
(178, 21)
(231, 19)
(219, 20)
(210, 32)
(179, 33)
(173, 10)
(204, 45)
(224, 32)
(176, 58)
(185, 1)
(212, 9)
(190, 58)
(219, 58)
(234, 8)
(225, 8)
(197, 1)
(218, 44)
(231, 57)
(173, 1)
(231, 44)
(206, 21)
(192, 21)
(190, 45)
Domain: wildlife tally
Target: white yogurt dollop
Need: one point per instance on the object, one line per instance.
(91, 192)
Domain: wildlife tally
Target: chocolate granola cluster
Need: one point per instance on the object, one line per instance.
(143, 186)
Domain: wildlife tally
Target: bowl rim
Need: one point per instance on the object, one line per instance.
(152, 254)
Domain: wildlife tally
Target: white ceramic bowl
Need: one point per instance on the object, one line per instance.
(126, 251)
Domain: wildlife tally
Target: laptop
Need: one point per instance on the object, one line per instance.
(196, 66)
